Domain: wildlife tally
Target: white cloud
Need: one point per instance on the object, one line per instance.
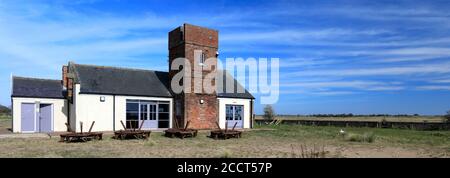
(381, 71)
(296, 36)
(433, 87)
(361, 85)
(441, 81)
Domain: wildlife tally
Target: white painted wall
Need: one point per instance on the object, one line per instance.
(59, 115)
(121, 102)
(88, 108)
(234, 101)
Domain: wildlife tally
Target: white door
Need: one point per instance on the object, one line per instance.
(148, 115)
(234, 115)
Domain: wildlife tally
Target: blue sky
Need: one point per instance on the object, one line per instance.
(357, 57)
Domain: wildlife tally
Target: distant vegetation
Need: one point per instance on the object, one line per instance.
(447, 116)
(5, 110)
(269, 113)
(354, 115)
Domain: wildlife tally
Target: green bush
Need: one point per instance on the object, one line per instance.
(366, 137)
(269, 113)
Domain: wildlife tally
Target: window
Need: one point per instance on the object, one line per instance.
(163, 115)
(234, 112)
(199, 57)
(155, 114)
(132, 114)
(203, 59)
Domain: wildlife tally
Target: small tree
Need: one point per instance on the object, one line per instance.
(269, 113)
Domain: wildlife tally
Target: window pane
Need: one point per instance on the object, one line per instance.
(144, 112)
(163, 108)
(163, 116)
(163, 124)
(132, 116)
(229, 112)
(134, 107)
(238, 112)
(153, 116)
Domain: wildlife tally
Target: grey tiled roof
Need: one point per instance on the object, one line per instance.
(122, 81)
(235, 93)
(132, 82)
(39, 88)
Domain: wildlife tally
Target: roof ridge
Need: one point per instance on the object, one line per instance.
(119, 68)
(34, 78)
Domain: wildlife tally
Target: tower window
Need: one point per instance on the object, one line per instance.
(202, 59)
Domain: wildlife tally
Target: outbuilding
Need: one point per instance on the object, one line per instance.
(111, 96)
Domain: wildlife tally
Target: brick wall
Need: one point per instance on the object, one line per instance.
(183, 41)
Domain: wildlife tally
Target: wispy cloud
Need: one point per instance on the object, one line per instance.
(433, 87)
(441, 81)
(362, 85)
(381, 71)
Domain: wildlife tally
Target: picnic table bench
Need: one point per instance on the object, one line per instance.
(80, 136)
(225, 133)
(181, 133)
(132, 133)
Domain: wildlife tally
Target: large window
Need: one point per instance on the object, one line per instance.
(163, 115)
(153, 114)
(132, 114)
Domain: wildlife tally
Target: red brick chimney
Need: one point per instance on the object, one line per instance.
(65, 69)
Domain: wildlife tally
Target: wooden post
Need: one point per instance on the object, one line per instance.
(92, 125)
(140, 127)
(123, 125)
(218, 126)
(226, 126)
(176, 124)
(234, 126)
(81, 127)
(187, 125)
(68, 127)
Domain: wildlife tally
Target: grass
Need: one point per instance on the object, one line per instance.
(263, 141)
(365, 137)
(368, 118)
(5, 116)
(5, 123)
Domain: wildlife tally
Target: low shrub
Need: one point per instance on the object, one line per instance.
(226, 154)
(309, 152)
(368, 137)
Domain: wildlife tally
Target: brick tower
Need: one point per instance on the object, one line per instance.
(196, 44)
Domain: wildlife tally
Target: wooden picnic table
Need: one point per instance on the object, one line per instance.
(132, 133)
(81, 136)
(225, 133)
(181, 132)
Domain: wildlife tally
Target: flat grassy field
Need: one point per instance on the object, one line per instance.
(263, 141)
(4, 116)
(360, 118)
(5, 123)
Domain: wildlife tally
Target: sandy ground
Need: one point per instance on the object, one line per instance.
(260, 143)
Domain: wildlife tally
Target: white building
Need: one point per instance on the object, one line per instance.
(111, 96)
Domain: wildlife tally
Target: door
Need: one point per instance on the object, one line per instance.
(235, 115)
(148, 115)
(27, 117)
(45, 118)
